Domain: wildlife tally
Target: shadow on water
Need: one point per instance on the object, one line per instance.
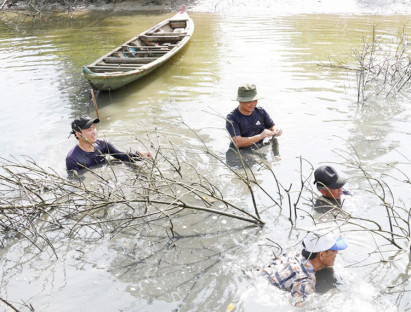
(190, 262)
(326, 280)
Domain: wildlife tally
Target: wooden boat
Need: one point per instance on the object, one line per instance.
(140, 55)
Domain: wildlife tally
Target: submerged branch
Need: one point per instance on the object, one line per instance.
(36, 202)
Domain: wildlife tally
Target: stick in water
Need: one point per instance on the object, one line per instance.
(95, 103)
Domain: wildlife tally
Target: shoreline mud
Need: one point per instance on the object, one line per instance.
(276, 7)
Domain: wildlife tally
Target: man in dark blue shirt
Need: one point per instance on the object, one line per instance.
(90, 151)
(249, 125)
(330, 185)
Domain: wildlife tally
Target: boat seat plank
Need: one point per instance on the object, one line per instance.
(129, 60)
(102, 63)
(103, 69)
(139, 53)
(162, 34)
(150, 47)
(135, 66)
(178, 23)
(146, 49)
(161, 38)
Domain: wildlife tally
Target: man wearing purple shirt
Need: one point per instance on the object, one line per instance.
(90, 151)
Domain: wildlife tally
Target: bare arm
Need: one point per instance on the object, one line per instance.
(247, 141)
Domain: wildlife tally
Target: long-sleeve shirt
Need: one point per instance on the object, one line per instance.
(293, 273)
(78, 159)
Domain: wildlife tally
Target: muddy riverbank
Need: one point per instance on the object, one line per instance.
(277, 7)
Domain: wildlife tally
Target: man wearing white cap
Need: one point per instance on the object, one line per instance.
(249, 125)
(296, 273)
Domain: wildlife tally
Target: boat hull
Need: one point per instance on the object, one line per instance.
(113, 82)
(140, 55)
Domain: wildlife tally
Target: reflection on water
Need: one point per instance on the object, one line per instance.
(41, 63)
(247, 157)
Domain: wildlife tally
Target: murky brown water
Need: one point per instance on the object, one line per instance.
(43, 89)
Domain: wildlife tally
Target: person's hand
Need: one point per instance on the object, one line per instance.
(277, 131)
(146, 154)
(266, 134)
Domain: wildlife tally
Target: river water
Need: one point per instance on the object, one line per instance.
(42, 90)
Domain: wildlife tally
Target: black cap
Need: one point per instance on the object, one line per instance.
(327, 176)
(84, 122)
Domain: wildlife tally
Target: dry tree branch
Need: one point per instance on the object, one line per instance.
(35, 201)
(150, 192)
(382, 69)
